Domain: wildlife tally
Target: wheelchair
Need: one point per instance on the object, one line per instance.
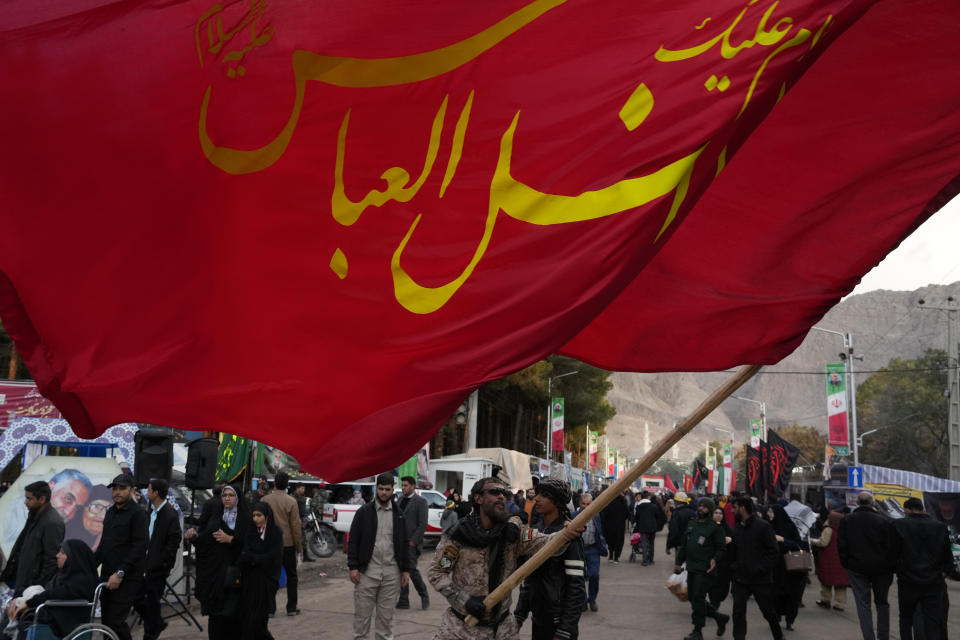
(87, 631)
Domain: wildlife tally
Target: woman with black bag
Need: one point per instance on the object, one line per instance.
(788, 585)
(219, 542)
(261, 560)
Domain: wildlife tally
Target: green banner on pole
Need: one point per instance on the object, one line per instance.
(232, 458)
(408, 468)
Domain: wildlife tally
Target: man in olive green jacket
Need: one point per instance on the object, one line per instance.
(702, 547)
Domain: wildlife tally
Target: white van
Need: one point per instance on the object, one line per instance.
(459, 472)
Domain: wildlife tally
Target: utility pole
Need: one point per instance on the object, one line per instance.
(952, 309)
(848, 357)
(472, 407)
(763, 414)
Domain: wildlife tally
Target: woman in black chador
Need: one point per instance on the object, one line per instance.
(76, 579)
(220, 540)
(261, 559)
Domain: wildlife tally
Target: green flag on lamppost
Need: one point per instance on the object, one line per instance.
(232, 458)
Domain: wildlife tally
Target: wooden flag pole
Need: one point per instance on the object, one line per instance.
(673, 437)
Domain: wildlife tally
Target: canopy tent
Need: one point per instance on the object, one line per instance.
(515, 465)
(920, 481)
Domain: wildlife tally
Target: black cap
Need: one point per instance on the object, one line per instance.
(122, 480)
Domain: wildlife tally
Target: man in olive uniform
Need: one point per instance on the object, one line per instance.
(702, 546)
(475, 556)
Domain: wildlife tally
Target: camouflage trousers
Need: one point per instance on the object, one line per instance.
(453, 628)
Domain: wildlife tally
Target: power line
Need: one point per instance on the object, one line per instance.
(859, 371)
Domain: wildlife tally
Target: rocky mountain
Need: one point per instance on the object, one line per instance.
(884, 324)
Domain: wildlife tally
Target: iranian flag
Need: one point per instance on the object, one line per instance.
(837, 405)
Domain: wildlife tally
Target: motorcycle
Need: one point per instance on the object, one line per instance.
(320, 538)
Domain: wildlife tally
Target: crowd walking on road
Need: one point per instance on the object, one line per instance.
(726, 548)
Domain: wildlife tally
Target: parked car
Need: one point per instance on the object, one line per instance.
(341, 502)
(436, 502)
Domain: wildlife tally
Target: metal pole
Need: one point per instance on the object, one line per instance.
(953, 399)
(953, 378)
(472, 409)
(763, 419)
(853, 400)
(550, 421)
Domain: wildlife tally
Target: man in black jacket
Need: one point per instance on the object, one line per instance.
(922, 556)
(162, 548)
(415, 513)
(757, 552)
(865, 545)
(647, 520)
(679, 520)
(34, 554)
(122, 555)
(555, 592)
(378, 556)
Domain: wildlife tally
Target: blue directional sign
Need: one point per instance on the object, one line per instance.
(855, 477)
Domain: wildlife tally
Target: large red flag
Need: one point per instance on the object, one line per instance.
(321, 225)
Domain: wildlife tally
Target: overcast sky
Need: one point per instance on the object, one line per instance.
(930, 256)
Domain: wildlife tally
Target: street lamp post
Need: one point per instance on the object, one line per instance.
(865, 434)
(550, 412)
(848, 357)
(952, 308)
(732, 438)
(763, 413)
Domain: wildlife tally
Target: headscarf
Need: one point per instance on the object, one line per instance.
(270, 529)
(834, 519)
(78, 576)
(230, 516)
(782, 524)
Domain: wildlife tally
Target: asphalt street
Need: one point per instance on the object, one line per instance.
(633, 603)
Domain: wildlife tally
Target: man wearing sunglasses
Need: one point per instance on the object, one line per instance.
(476, 555)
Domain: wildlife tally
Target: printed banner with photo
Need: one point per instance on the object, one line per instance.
(889, 498)
(79, 493)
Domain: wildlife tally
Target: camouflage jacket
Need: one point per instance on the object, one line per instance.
(460, 572)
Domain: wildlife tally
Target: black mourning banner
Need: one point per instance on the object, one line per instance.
(781, 457)
(755, 484)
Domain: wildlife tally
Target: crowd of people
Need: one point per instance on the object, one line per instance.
(728, 546)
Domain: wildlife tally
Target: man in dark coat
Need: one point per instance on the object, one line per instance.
(378, 556)
(555, 592)
(614, 517)
(164, 544)
(922, 557)
(34, 554)
(702, 547)
(757, 553)
(682, 514)
(647, 520)
(414, 509)
(865, 544)
(122, 555)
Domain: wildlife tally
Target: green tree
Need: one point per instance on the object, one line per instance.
(513, 410)
(668, 467)
(905, 402)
